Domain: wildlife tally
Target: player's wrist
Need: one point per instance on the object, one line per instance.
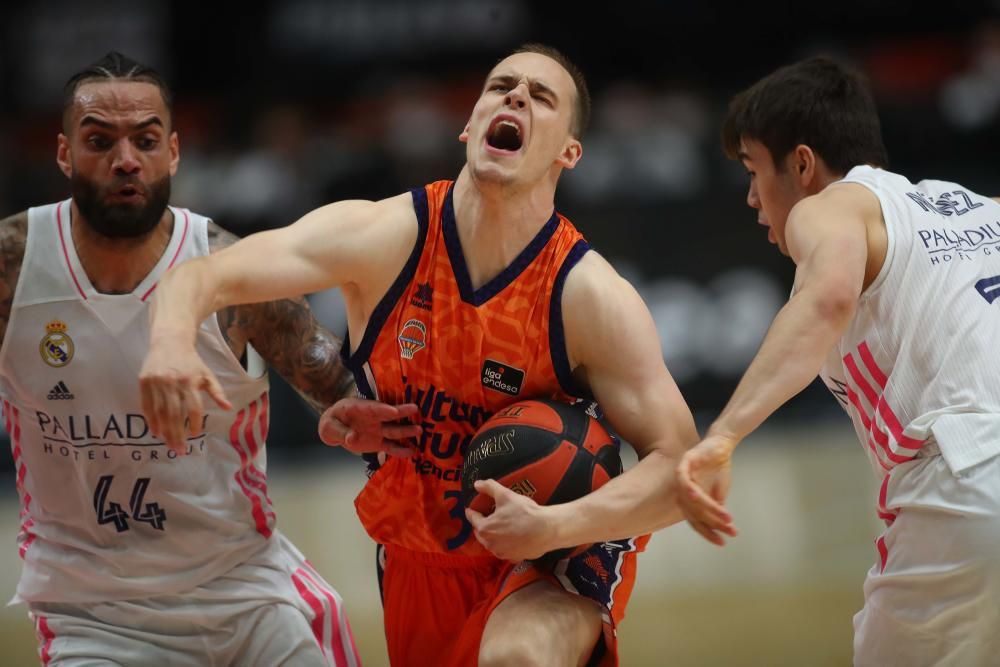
(173, 335)
(724, 436)
(563, 524)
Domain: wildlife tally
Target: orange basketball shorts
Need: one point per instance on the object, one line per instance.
(436, 605)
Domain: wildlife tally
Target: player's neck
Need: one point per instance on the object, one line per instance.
(117, 266)
(824, 176)
(496, 223)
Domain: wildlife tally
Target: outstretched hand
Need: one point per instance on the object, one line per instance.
(362, 426)
(171, 382)
(703, 477)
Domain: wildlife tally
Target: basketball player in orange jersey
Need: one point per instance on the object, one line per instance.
(132, 554)
(465, 297)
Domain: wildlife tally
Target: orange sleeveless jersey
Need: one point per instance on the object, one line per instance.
(461, 355)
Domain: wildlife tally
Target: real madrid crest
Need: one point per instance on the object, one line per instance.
(56, 347)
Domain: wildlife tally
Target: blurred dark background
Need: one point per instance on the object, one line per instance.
(284, 106)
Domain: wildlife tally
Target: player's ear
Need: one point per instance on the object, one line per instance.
(803, 164)
(571, 153)
(62, 155)
(464, 136)
(175, 153)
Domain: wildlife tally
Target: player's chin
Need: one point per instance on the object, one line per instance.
(489, 171)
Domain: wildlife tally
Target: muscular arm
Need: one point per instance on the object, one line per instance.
(612, 339)
(341, 244)
(827, 239)
(359, 246)
(288, 337)
(614, 349)
(837, 241)
(13, 235)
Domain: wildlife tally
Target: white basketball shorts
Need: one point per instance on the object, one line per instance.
(272, 610)
(934, 596)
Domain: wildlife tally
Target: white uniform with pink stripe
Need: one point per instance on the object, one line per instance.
(918, 372)
(119, 536)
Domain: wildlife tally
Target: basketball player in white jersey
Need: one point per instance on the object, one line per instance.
(894, 306)
(136, 554)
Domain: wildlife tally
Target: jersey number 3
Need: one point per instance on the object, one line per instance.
(112, 512)
(458, 513)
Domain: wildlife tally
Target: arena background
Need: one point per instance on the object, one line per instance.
(285, 106)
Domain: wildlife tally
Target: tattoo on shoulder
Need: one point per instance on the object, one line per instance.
(13, 236)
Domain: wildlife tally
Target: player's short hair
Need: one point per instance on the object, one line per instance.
(817, 102)
(114, 66)
(581, 109)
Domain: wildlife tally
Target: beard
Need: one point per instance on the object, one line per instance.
(120, 220)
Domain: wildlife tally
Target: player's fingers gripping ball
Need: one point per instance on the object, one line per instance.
(549, 451)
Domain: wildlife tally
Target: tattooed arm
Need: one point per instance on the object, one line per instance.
(291, 341)
(288, 337)
(13, 235)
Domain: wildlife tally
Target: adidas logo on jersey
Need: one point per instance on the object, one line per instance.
(60, 392)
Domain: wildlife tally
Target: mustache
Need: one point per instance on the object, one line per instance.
(128, 180)
(117, 219)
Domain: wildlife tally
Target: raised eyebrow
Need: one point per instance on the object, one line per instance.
(149, 122)
(91, 120)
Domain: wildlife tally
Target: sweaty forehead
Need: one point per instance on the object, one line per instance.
(125, 100)
(536, 67)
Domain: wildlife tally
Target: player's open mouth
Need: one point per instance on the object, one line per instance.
(504, 135)
(127, 192)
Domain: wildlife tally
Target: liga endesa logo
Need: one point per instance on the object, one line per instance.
(501, 377)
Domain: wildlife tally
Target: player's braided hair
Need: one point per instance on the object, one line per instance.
(112, 66)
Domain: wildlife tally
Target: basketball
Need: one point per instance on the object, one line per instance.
(551, 452)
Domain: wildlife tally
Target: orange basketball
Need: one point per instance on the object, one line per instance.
(549, 451)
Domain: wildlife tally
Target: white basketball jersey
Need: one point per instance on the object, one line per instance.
(107, 512)
(919, 361)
